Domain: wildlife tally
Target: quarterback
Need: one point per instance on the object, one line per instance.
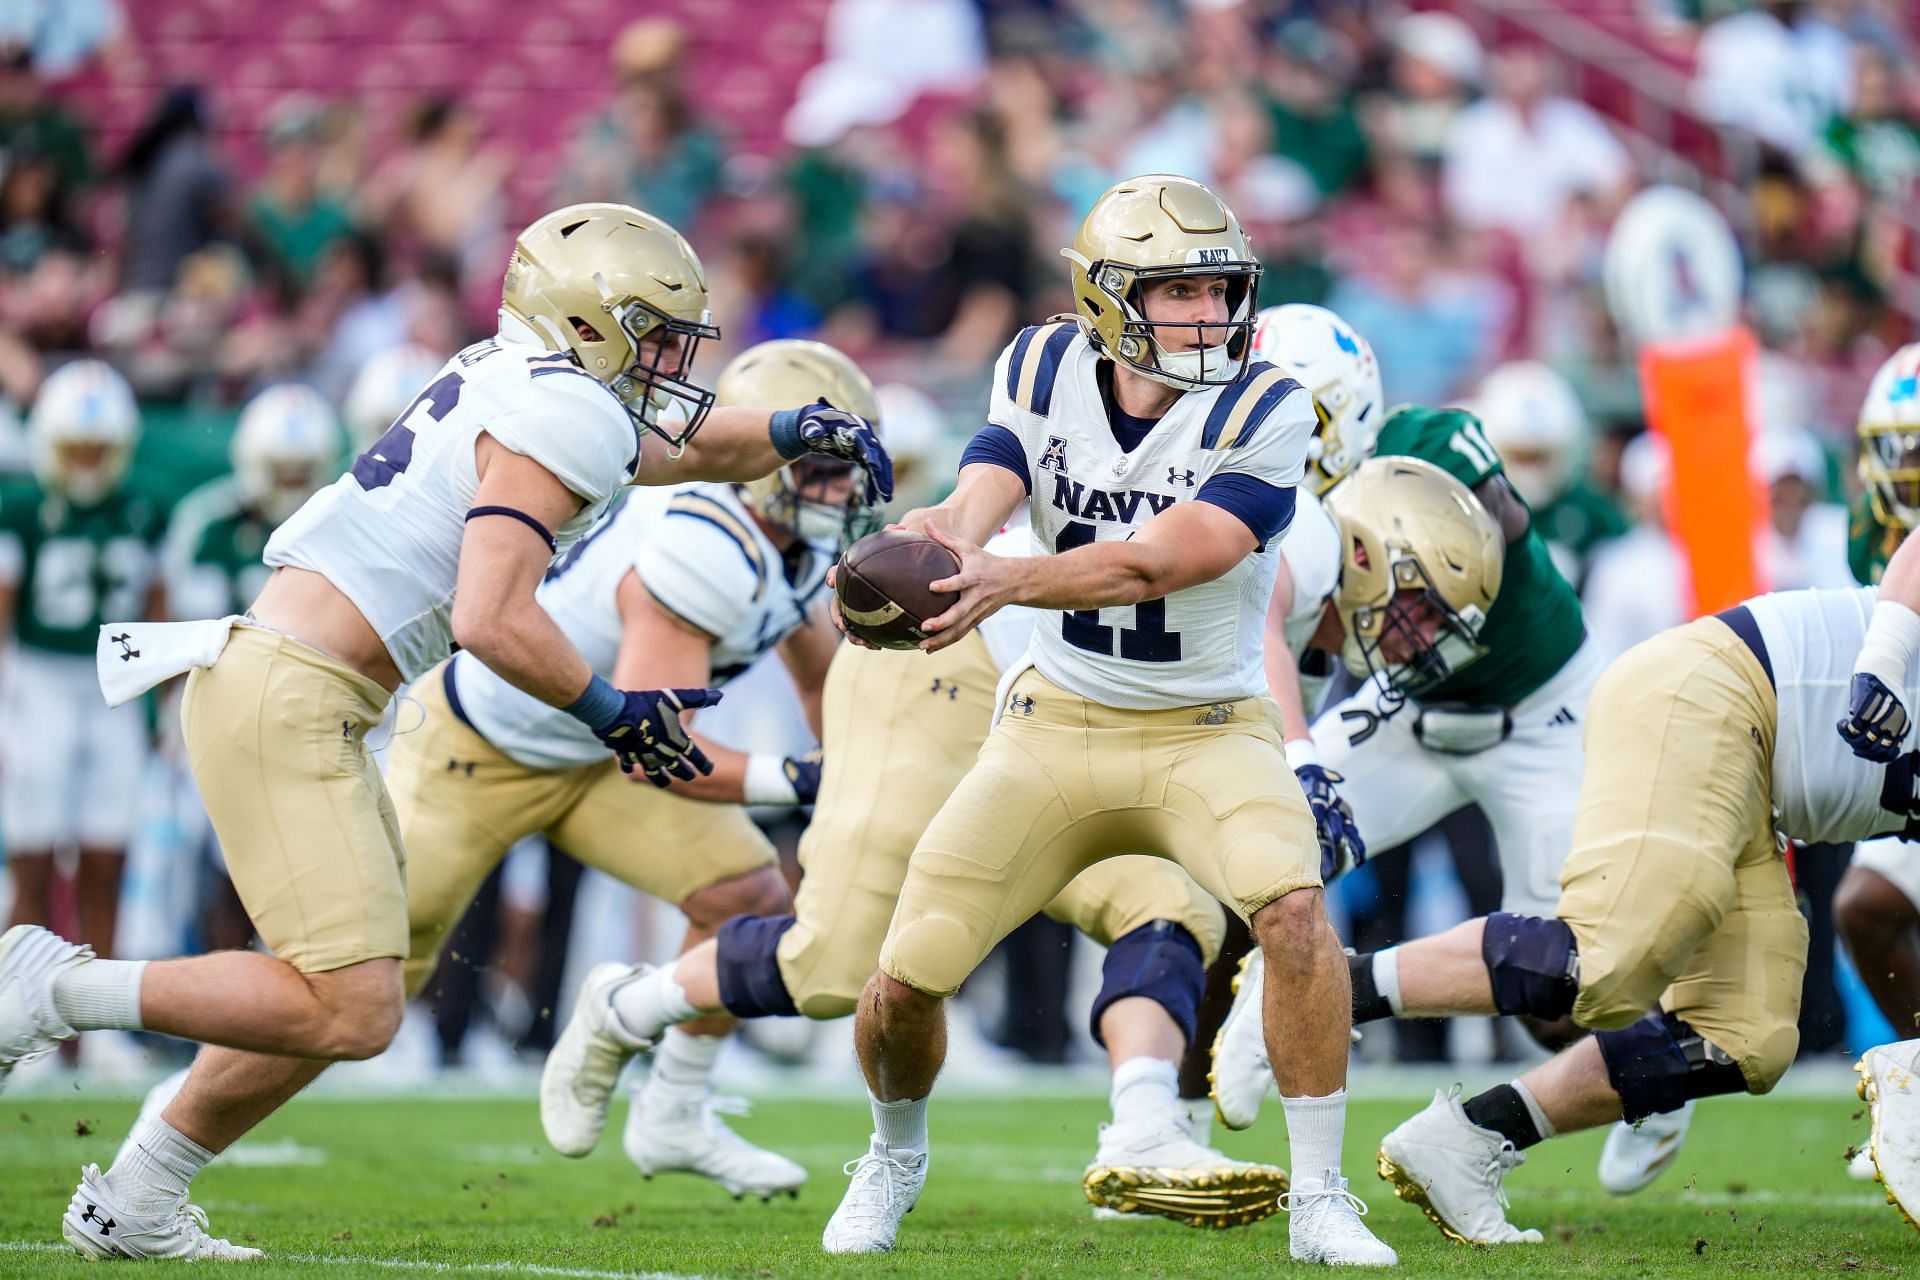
(440, 533)
(1158, 461)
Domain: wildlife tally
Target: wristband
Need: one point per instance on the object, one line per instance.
(767, 782)
(597, 707)
(1301, 752)
(783, 428)
(1893, 636)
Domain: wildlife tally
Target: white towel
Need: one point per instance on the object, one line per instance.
(132, 657)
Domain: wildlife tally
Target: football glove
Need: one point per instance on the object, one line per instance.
(647, 733)
(839, 434)
(803, 775)
(1876, 722)
(1341, 848)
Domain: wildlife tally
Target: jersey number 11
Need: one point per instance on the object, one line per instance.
(1148, 640)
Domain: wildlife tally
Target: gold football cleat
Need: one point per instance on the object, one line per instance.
(1234, 1195)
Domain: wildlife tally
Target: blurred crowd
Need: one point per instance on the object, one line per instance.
(1442, 187)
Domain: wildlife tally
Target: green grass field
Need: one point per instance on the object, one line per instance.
(346, 1188)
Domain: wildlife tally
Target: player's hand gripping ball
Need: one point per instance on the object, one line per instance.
(881, 584)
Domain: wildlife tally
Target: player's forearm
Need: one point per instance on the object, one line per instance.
(981, 502)
(1893, 634)
(1283, 678)
(733, 444)
(523, 646)
(1097, 576)
(727, 784)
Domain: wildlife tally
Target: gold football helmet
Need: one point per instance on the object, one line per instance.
(798, 497)
(624, 294)
(1150, 228)
(1890, 440)
(1420, 566)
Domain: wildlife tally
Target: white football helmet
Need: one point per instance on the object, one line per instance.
(384, 387)
(922, 446)
(1327, 356)
(286, 447)
(1890, 439)
(84, 426)
(1535, 421)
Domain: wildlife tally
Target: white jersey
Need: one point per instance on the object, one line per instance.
(700, 553)
(1312, 552)
(1199, 645)
(1823, 792)
(1009, 632)
(388, 533)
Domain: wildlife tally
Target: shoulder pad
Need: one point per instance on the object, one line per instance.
(707, 509)
(1035, 365)
(1239, 409)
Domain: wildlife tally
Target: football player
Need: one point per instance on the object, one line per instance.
(1159, 461)
(78, 545)
(382, 389)
(1711, 747)
(502, 462)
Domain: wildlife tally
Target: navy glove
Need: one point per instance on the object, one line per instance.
(647, 732)
(1876, 722)
(1341, 848)
(838, 434)
(803, 775)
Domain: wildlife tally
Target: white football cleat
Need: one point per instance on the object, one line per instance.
(1160, 1169)
(1240, 1074)
(1453, 1170)
(1326, 1227)
(576, 1085)
(1636, 1154)
(30, 959)
(1890, 1085)
(667, 1134)
(886, 1185)
(98, 1230)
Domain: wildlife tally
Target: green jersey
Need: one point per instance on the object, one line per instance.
(1579, 520)
(1870, 544)
(1535, 623)
(75, 568)
(214, 542)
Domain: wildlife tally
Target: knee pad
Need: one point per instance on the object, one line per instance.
(1160, 962)
(749, 968)
(1533, 963)
(1661, 1063)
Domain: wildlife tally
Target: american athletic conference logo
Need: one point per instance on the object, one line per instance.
(1055, 457)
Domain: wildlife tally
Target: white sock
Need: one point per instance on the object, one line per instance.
(1196, 1117)
(684, 1063)
(101, 995)
(1386, 979)
(1145, 1091)
(1542, 1125)
(1315, 1129)
(158, 1161)
(646, 1006)
(902, 1125)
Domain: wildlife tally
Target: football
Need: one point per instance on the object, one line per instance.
(882, 586)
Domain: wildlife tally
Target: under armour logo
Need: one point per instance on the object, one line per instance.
(1563, 716)
(1055, 458)
(942, 686)
(92, 1215)
(1176, 476)
(460, 766)
(127, 652)
(1021, 703)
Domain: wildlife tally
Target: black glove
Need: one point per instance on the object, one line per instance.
(647, 732)
(1876, 722)
(839, 434)
(803, 775)
(1341, 848)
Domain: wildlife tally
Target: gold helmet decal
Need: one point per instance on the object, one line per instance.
(624, 294)
(1420, 566)
(1149, 229)
(807, 497)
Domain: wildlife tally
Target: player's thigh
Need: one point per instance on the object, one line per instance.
(1395, 787)
(1677, 792)
(113, 773)
(655, 841)
(1741, 989)
(1894, 860)
(1242, 827)
(1113, 897)
(899, 732)
(276, 734)
(43, 718)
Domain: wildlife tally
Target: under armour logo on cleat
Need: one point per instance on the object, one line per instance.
(92, 1215)
(1563, 716)
(127, 652)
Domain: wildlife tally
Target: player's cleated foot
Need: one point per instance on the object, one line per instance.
(886, 1185)
(30, 959)
(99, 1230)
(1454, 1171)
(1160, 1170)
(1860, 1165)
(1326, 1227)
(1890, 1085)
(1636, 1154)
(576, 1085)
(1240, 1074)
(671, 1134)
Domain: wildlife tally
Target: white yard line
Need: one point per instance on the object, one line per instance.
(410, 1264)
